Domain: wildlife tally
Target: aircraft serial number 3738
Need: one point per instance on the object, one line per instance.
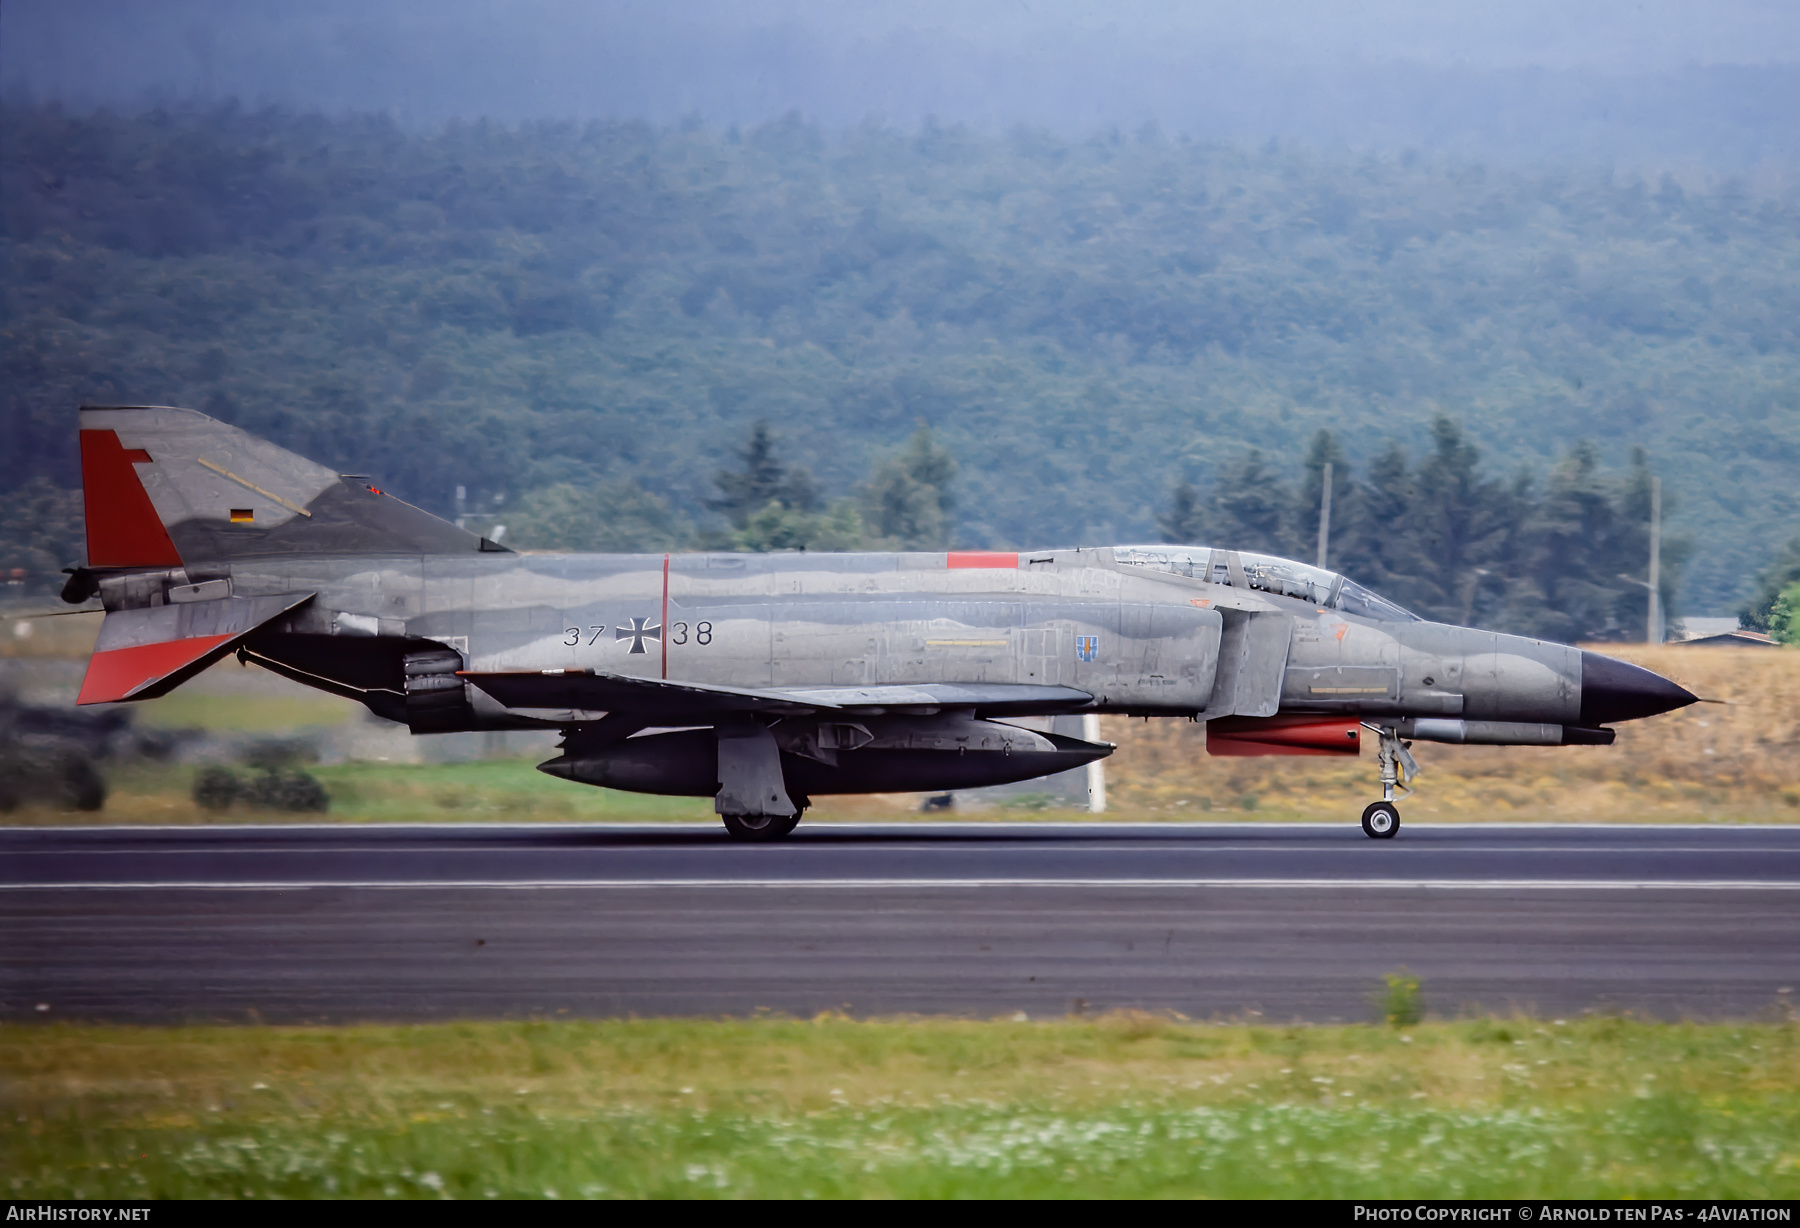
(763, 681)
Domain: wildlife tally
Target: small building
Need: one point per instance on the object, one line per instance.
(1720, 633)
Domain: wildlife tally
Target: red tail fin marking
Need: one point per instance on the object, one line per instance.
(123, 529)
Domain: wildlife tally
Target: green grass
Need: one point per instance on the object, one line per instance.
(1119, 1106)
(484, 791)
(488, 791)
(281, 712)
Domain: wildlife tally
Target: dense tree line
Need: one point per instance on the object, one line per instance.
(767, 505)
(585, 320)
(1563, 556)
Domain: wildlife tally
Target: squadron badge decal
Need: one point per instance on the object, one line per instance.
(1087, 647)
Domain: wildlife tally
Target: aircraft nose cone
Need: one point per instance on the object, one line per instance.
(1614, 690)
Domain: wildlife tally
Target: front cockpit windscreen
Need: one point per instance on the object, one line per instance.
(1353, 598)
(1269, 574)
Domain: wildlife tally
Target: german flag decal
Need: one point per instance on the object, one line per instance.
(243, 515)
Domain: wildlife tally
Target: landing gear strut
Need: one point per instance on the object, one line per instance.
(753, 798)
(1381, 820)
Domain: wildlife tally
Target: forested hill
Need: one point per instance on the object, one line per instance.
(1083, 324)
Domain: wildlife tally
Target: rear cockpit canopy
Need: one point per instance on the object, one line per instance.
(1284, 577)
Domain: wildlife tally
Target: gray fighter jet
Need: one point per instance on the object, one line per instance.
(763, 681)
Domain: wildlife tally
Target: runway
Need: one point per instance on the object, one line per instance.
(1278, 922)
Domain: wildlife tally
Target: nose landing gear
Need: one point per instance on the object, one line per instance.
(1381, 820)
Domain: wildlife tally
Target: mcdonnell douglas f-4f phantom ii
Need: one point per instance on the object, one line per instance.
(763, 681)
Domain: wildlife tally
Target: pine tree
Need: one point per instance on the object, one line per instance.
(908, 499)
(1457, 526)
(1571, 554)
(1249, 507)
(762, 480)
(1184, 523)
(1782, 573)
(1370, 541)
(41, 532)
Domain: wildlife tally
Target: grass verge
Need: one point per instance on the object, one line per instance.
(1120, 1106)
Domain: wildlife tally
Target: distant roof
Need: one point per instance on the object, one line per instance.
(1700, 628)
(1732, 639)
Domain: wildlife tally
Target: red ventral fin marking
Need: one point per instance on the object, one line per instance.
(148, 651)
(118, 674)
(123, 529)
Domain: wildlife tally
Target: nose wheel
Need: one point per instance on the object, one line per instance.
(1381, 820)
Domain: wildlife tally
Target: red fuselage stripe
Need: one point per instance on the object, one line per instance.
(981, 558)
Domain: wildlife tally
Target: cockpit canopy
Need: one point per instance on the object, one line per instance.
(1284, 577)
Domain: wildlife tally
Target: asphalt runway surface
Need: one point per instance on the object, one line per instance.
(1273, 922)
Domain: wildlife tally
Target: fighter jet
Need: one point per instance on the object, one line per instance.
(766, 680)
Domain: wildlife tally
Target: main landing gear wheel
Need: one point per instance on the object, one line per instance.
(760, 826)
(1381, 820)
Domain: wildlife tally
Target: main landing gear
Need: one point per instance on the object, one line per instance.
(760, 826)
(1381, 820)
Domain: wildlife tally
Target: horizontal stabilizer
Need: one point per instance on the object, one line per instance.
(654, 697)
(144, 653)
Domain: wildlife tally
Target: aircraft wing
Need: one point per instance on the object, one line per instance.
(990, 697)
(584, 690)
(581, 689)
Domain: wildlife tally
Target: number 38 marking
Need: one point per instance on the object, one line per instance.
(702, 633)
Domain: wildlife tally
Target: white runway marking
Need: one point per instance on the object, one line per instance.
(1391, 850)
(833, 825)
(854, 884)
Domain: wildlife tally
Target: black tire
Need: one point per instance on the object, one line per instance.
(1381, 820)
(760, 826)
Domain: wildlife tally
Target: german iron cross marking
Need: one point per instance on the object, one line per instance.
(638, 632)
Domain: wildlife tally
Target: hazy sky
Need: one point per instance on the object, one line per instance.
(1650, 78)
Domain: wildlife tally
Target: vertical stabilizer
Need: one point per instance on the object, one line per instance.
(167, 487)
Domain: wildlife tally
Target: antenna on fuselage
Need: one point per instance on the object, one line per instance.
(1653, 630)
(1324, 515)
